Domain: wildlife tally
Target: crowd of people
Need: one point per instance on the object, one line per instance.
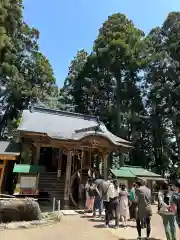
(122, 204)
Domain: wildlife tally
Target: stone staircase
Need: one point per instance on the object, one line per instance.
(49, 183)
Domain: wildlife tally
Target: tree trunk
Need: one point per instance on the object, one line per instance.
(118, 104)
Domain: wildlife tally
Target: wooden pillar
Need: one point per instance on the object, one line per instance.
(37, 154)
(2, 174)
(105, 159)
(67, 180)
(59, 163)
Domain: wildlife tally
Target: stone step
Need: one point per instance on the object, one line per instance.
(53, 193)
(49, 191)
(57, 186)
(53, 178)
(49, 181)
(52, 185)
(57, 198)
(50, 175)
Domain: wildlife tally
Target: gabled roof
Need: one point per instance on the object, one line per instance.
(122, 173)
(140, 172)
(66, 125)
(9, 147)
(135, 172)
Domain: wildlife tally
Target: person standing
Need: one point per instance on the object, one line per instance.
(166, 212)
(176, 200)
(132, 196)
(87, 203)
(92, 191)
(105, 197)
(144, 211)
(98, 203)
(124, 205)
(113, 207)
(102, 187)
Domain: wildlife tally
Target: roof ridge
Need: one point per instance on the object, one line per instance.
(130, 166)
(60, 112)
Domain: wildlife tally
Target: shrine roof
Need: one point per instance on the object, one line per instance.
(136, 172)
(9, 148)
(66, 125)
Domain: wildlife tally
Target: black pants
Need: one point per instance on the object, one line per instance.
(106, 205)
(113, 211)
(148, 226)
(132, 210)
(143, 223)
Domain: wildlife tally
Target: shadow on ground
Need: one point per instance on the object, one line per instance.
(86, 216)
(90, 219)
(102, 226)
(136, 238)
(95, 220)
(111, 226)
(100, 220)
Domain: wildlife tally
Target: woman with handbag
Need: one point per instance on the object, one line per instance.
(91, 193)
(167, 211)
(124, 205)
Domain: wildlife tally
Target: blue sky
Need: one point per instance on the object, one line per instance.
(71, 25)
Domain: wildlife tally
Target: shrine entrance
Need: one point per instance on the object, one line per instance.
(46, 159)
(78, 183)
(89, 160)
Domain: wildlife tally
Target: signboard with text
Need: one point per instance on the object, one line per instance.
(28, 182)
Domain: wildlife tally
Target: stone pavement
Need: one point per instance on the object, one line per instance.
(83, 227)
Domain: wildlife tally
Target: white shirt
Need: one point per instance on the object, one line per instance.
(164, 206)
(112, 191)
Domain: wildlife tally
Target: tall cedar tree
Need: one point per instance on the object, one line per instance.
(25, 72)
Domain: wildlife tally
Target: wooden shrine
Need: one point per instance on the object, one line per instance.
(67, 144)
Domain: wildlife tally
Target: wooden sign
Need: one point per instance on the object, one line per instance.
(28, 182)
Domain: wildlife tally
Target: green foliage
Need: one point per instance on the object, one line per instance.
(107, 83)
(26, 73)
(132, 82)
